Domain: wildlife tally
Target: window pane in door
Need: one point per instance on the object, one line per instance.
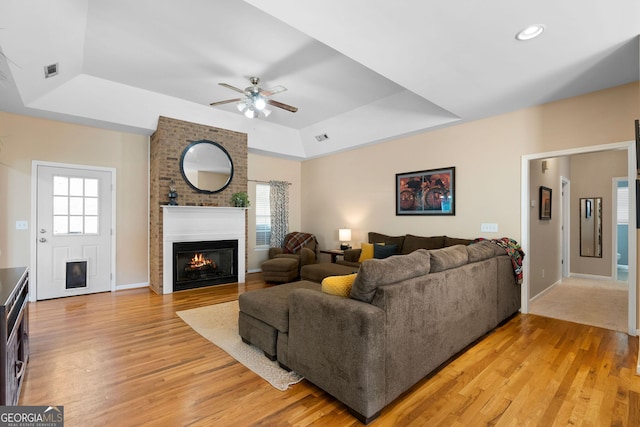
(60, 186)
(60, 205)
(75, 224)
(91, 206)
(91, 187)
(60, 224)
(75, 206)
(76, 186)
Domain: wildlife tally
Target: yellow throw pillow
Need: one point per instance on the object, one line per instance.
(366, 252)
(338, 285)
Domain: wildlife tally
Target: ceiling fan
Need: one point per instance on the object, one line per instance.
(256, 99)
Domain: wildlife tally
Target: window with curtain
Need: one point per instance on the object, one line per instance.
(263, 215)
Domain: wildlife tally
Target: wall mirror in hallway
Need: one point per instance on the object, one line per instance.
(591, 227)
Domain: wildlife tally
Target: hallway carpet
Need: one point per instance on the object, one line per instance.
(587, 301)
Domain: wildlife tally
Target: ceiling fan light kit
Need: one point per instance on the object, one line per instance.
(255, 99)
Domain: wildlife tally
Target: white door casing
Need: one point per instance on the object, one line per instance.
(630, 148)
(81, 235)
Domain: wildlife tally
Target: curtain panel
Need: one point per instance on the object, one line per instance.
(279, 197)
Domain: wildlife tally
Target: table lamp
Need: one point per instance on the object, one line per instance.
(344, 235)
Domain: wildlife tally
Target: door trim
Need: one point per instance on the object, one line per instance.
(614, 225)
(565, 186)
(33, 271)
(525, 196)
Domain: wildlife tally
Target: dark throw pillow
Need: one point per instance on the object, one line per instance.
(384, 251)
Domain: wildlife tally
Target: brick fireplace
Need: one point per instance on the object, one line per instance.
(167, 144)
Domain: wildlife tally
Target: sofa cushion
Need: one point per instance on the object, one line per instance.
(380, 272)
(412, 243)
(338, 285)
(366, 251)
(384, 251)
(387, 240)
(482, 250)
(449, 257)
(271, 305)
(317, 272)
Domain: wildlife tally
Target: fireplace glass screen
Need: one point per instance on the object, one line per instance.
(198, 264)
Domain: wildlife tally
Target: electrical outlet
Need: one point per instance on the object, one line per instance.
(489, 228)
(22, 225)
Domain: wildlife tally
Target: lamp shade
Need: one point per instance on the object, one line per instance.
(344, 234)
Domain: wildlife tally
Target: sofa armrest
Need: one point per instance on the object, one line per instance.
(307, 256)
(275, 251)
(338, 344)
(352, 255)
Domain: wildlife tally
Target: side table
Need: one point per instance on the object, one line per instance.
(335, 253)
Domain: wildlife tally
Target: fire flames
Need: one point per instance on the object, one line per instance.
(199, 261)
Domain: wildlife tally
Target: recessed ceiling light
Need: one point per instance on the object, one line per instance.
(531, 32)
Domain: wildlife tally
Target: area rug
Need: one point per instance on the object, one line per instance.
(219, 324)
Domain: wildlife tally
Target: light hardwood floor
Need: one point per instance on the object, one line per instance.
(127, 359)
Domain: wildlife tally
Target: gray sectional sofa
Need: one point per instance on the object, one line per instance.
(404, 245)
(405, 317)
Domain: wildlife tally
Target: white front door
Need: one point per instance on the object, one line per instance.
(73, 231)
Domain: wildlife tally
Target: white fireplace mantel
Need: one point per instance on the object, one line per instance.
(200, 223)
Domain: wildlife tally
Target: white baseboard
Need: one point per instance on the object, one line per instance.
(553, 285)
(132, 286)
(255, 270)
(590, 276)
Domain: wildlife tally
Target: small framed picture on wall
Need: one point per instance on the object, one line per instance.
(545, 203)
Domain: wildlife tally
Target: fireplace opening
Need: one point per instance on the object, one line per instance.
(199, 264)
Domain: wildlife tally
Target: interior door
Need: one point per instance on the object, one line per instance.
(73, 228)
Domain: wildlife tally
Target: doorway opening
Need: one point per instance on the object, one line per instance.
(526, 218)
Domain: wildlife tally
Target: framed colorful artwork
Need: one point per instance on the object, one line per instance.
(427, 192)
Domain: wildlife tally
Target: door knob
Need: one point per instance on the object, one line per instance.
(42, 240)
(42, 230)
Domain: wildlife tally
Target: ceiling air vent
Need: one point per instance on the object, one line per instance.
(322, 137)
(50, 70)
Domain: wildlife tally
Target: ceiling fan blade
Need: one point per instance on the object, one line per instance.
(228, 86)
(281, 105)
(273, 90)
(226, 102)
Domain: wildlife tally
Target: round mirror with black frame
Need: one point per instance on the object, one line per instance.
(206, 166)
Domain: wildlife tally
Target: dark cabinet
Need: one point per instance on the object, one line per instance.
(14, 332)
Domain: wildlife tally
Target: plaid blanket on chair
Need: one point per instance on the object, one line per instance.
(514, 251)
(296, 240)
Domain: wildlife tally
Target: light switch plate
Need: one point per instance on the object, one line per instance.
(22, 225)
(489, 228)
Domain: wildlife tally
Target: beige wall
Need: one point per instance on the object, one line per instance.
(545, 236)
(486, 153)
(592, 176)
(25, 139)
(265, 168)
